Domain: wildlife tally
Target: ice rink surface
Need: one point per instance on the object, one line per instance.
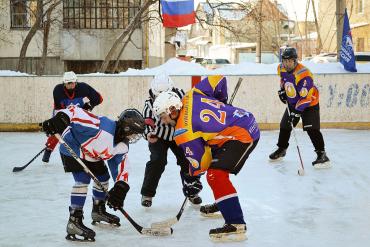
(323, 208)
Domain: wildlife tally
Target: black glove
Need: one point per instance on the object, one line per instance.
(294, 117)
(87, 107)
(282, 96)
(56, 124)
(191, 185)
(117, 195)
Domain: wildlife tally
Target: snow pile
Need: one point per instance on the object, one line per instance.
(179, 67)
(12, 73)
(173, 66)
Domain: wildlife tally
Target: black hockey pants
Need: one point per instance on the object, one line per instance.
(311, 124)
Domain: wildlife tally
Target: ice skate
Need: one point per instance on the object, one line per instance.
(99, 214)
(229, 233)
(210, 211)
(278, 154)
(322, 161)
(75, 227)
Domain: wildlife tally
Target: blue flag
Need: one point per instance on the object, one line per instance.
(347, 56)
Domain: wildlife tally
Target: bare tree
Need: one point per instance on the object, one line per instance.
(131, 26)
(36, 25)
(39, 15)
(45, 40)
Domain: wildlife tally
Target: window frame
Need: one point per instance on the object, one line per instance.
(29, 17)
(99, 14)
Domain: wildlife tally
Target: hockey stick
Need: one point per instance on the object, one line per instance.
(300, 169)
(170, 222)
(20, 168)
(140, 229)
(235, 90)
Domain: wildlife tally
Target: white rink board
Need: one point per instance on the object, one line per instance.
(343, 97)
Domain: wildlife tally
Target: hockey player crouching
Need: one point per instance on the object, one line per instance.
(217, 138)
(95, 139)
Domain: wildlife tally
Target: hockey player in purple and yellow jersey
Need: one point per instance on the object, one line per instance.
(299, 92)
(216, 138)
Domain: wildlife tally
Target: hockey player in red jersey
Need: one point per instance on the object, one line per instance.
(298, 91)
(216, 138)
(71, 92)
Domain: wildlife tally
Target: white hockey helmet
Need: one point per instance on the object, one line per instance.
(165, 101)
(69, 76)
(161, 83)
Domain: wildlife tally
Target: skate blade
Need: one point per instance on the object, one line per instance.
(212, 215)
(276, 160)
(105, 224)
(72, 237)
(228, 237)
(325, 165)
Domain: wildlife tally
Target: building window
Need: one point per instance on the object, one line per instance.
(99, 14)
(360, 6)
(360, 46)
(23, 13)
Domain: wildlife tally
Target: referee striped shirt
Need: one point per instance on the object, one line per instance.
(164, 131)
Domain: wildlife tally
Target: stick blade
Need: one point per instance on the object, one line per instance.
(157, 231)
(18, 169)
(166, 223)
(301, 172)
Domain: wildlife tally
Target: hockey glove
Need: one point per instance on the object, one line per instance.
(117, 195)
(87, 107)
(282, 96)
(56, 124)
(191, 185)
(294, 117)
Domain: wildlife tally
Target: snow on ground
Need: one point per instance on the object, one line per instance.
(328, 208)
(175, 66)
(12, 73)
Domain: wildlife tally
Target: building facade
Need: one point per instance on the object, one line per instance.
(81, 34)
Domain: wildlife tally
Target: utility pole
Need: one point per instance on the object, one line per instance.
(319, 42)
(259, 34)
(340, 7)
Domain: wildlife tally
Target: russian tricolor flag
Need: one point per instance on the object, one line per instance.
(177, 13)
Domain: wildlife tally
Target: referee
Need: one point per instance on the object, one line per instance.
(160, 139)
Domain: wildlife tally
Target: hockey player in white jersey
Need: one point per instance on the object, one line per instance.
(95, 139)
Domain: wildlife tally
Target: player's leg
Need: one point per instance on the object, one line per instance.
(283, 141)
(153, 170)
(311, 124)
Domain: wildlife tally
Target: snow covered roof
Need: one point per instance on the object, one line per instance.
(359, 24)
(312, 35)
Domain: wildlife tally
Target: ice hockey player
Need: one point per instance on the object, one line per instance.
(69, 92)
(160, 139)
(217, 138)
(298, 91)
(95, 139)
